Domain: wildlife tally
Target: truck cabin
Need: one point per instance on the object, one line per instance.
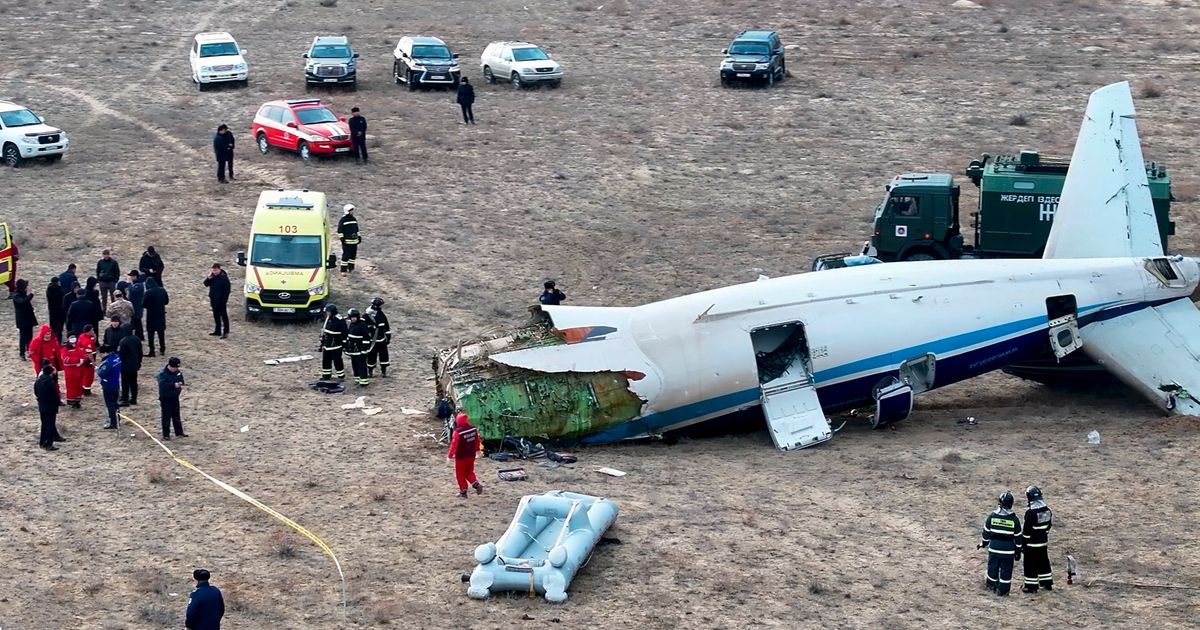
(917, 218)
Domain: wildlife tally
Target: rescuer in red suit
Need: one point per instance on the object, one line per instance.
(464, 444)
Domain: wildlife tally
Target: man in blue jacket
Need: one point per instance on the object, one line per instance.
(205, 606)
(170, 384)
(110, 382)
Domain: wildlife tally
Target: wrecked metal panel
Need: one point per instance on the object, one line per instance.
(506, 400)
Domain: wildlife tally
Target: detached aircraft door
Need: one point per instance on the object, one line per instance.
(789, 399)
(1064, 325)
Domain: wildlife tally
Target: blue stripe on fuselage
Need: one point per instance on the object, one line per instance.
(856, 391)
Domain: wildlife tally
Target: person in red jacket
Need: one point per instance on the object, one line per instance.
(87, 342)
(464, 444)
(45, 346)
(73, 358)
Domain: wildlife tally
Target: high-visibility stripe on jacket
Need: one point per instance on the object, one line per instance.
(1038, 521)
(1002, 532)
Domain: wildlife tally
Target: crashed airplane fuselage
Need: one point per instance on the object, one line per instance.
(875, 335)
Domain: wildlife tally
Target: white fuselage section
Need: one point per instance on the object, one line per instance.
(861, 323)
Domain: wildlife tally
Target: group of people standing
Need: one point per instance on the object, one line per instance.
(1006, 541)
(364, 337)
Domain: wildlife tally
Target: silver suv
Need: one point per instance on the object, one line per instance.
(519, 63)
(330, 61)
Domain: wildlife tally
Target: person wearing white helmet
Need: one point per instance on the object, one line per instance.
(347, 231)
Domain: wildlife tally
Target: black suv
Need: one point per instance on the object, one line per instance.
(754, 56)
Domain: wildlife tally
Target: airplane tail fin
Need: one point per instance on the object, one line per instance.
(1105, 210)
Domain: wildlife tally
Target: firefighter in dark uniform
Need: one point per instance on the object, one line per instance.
(358, 338)
(333, 336)
(347, 231)
(1036, 543)
(1002, 537)
(378, 356)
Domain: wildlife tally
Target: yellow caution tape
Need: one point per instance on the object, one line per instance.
(252, 501)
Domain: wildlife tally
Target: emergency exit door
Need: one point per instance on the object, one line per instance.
(1064, 325)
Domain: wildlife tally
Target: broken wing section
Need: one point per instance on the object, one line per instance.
(1105, 210)
(1155, 350)
(555, 380)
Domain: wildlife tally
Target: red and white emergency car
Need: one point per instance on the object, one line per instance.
(306, 127)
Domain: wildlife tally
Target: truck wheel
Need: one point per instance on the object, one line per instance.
(54, 158)
(411, 81)
(263, 145)
(12, 156)
(303, 150)
(200, 86)
(488, 76)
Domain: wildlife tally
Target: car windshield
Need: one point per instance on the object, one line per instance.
(748, 48)
(529, 54)
(437, 52)
(219, 49)
(330, 52)
(19, 118)
(278, 250)
(314, 115)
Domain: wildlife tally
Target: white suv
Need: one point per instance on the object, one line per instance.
(25, 136)
(520, 63)
(217, 58)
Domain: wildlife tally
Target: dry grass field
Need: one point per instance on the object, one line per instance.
(639, 179)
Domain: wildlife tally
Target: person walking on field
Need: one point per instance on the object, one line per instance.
(465, 99)
(151, 265)
(464, 445)
(110, 384)
(22, 300)
(223, 148)
(45, 389)
(54, 308)
(130, 350)
(218, 298)
(347, 231)
(206, 606)
(358, 135)
(170, 384)
(154, 308)
(108, 272)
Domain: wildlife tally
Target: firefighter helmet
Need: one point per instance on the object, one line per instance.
(331, 308)
(1006, 500)
(353, 313)
(1033, 493)
(376, 302)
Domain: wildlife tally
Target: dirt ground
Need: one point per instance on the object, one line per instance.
(639, 179)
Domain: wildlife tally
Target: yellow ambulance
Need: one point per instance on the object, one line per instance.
(288, 258)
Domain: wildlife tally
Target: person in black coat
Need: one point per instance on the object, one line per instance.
(465, 99)
(54, 299)
(80, 313)
(135, 292)
(154, 308)
(358, 135)
(130, 351)
(206, 607)
(170, 385)
(22, 300)
(218, 297)
(223, 148)
(116, 331)
(151, 265)
(45, 389)
(92, 293)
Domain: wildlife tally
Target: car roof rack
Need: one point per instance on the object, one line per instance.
(305, 101)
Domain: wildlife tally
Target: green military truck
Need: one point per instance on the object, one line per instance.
(1018, 196)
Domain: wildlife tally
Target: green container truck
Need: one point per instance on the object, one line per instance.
(1018, 196)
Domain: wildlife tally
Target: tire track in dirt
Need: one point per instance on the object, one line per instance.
(179, 146)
